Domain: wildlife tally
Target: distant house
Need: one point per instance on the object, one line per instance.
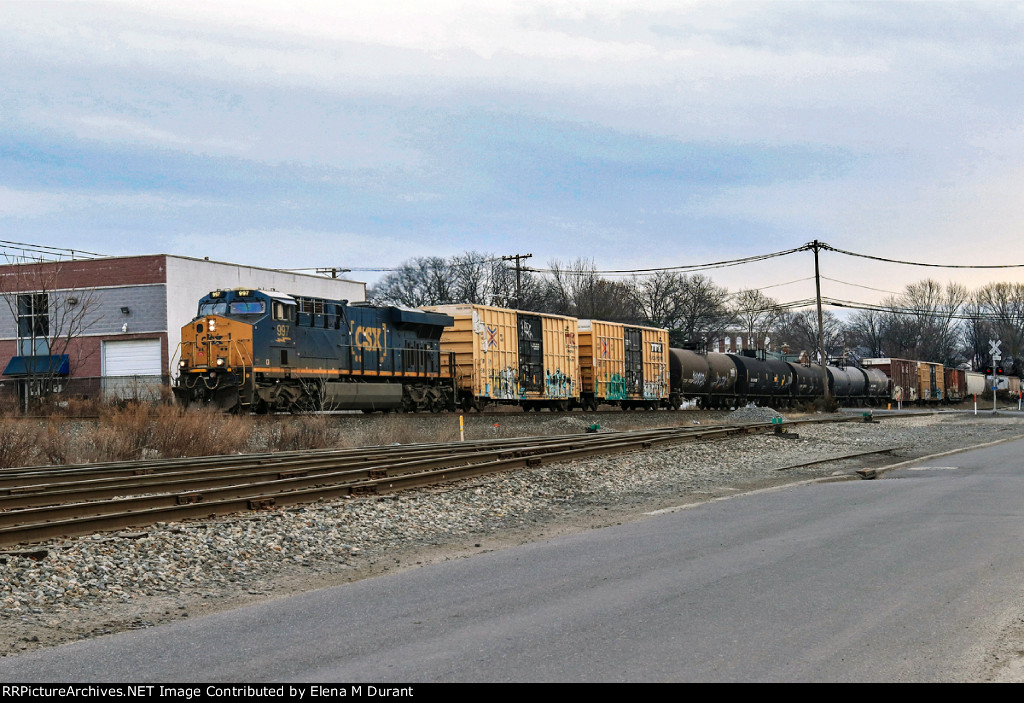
(106, 327)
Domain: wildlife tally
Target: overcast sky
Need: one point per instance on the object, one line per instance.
(639, 134)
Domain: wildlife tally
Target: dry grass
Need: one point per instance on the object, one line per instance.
(305, 432)
(139, 431)
(394, 429)
(19, 443)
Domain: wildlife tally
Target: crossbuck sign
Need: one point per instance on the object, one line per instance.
(993, 348)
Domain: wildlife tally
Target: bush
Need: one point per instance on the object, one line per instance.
(19, 443)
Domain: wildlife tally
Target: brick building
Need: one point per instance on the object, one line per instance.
(110, 326)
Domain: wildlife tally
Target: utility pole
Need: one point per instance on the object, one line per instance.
(334, 271)
(815, 246)
(519, 281)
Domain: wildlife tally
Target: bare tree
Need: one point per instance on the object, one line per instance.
(756, 313)
(924, 322)
(978, 330)
(576, 289)
(49, 319)
(865, 329)
(421, 281)
(471, 277)
(1003, 306)
(799, 329)
(692, 308)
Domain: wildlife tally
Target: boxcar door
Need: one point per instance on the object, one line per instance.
(531, 354)
(634, 362)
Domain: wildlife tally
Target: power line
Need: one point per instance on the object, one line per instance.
(47, 253)
(856, 285)
(680, 268)
(918, 263)
(774, 285)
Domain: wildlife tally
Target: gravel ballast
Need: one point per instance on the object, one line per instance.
(111, 582)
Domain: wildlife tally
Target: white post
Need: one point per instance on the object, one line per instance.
(462, 430)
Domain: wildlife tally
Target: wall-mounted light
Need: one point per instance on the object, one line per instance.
(125, 310)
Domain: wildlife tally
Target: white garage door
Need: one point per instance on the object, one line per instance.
(132, 357)
(132, 368)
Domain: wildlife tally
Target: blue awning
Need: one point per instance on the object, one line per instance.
(38, 365)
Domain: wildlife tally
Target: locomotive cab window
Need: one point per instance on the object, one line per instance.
(283, 311)
(249, 307)
(218, 307)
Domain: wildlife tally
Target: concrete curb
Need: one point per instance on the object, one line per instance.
(867, 474)
(875, 473)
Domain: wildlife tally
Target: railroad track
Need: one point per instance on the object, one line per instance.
(40, 503)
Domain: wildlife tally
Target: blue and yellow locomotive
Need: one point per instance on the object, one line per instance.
(263, 351)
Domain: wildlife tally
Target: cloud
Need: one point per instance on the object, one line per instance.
(637, 132)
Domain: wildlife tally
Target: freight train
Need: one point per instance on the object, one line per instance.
(264, 351)
(728, 380)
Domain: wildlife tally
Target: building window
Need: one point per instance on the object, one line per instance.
(33, 324)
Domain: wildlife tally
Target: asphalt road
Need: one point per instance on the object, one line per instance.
(907, 578)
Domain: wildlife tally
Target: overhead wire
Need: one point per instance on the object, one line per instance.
(857, 285)
(677, 268)
(918, 263)
(44, 250)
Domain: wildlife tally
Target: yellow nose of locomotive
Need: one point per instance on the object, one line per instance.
(215, 343)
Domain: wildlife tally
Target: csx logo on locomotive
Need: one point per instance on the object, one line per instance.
(369, 338)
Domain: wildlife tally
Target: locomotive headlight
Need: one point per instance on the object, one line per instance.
(182, 364)
(220, 361)
(211, 325)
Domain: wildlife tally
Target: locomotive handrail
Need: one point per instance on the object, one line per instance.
(172, 369)
(237, 344)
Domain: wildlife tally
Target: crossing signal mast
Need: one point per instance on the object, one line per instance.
(993, 372)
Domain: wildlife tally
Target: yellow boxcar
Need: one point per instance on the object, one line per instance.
(513, 356)
(931, 385)
(624, 365)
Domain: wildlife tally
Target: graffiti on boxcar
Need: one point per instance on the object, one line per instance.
(654, 390)
(503, 383)
(615, 388)
(558, 385)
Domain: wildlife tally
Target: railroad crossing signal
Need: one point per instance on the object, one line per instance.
(993, 349)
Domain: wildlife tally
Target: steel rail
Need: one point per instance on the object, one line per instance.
(35, 524)
(47, 494)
